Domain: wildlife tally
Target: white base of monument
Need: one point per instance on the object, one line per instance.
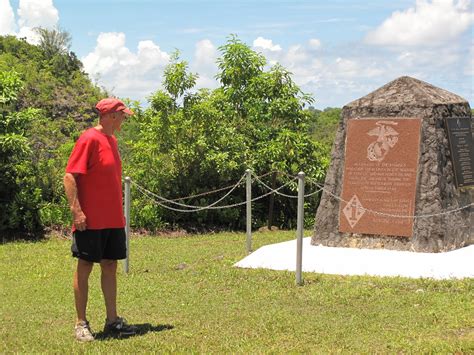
(374, 262)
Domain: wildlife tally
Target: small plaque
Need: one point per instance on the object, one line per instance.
(380, 172)
(462, 150)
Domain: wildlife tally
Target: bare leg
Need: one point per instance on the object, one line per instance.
(81, 287)
(109, 287)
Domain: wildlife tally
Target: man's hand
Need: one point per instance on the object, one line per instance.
(79, 220)
(78, 217)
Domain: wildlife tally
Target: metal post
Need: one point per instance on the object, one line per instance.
(248, 186)
(299, 229)
(127, 222)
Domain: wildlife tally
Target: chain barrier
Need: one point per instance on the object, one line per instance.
(212, 191)
(282, 194)
(389, 214)
(163, 202)
(150, 195)
(190, 206)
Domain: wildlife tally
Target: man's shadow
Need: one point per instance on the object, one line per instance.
(142, 329)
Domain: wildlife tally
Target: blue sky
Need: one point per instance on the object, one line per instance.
(337, 50)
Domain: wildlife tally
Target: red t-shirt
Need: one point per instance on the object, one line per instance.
(96, 159)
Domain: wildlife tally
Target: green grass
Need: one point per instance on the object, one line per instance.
(187, 297)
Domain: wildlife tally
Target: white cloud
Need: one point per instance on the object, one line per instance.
(296, 54)
(428, 23)
(314, 43)
(469, 66)
(150, 56)
(7, 18)
(31, 14)
(266, 44)
(347, 67)
(205, 56)
(441, 58)
(123, 72)
(272, 52)
(30, 34)
(36, 13)
(329, 77)
(107, 54)
(138, 74)
(335, 76)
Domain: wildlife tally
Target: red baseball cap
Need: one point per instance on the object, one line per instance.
(111, 105)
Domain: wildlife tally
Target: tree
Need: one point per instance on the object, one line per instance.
(177, 81)
(270, 110)
(56, 44)
(56, 85)
(191, 143)
(45, 104)
(324, 126)
(184, 148)
(186, 142)
(19, 195)
(238, 66)
(54, 41)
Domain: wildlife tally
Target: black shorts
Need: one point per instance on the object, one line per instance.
(97, 244)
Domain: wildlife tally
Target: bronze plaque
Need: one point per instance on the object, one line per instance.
(380, 172)
(462, 150)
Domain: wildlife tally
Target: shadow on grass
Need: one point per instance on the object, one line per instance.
(142, 329)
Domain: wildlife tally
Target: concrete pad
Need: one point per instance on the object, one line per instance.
(375, 262)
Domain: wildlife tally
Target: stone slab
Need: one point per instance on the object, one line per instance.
(380, 176)
(462, 149)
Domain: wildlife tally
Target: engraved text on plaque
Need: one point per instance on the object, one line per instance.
(380, 173)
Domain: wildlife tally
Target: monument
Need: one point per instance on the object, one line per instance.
(401, 161)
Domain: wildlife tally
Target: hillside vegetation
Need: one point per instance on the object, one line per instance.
(183, 142)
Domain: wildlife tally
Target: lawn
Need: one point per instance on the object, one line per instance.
(185, 296)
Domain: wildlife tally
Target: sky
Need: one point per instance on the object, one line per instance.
(337, 51)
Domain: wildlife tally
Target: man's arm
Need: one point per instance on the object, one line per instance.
(70, 186)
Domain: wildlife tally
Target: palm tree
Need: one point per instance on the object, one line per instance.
(54, 41)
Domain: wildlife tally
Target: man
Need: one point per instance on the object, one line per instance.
(93, 186)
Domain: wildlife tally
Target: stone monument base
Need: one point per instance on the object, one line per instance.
(435, 194)
(363, 241)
